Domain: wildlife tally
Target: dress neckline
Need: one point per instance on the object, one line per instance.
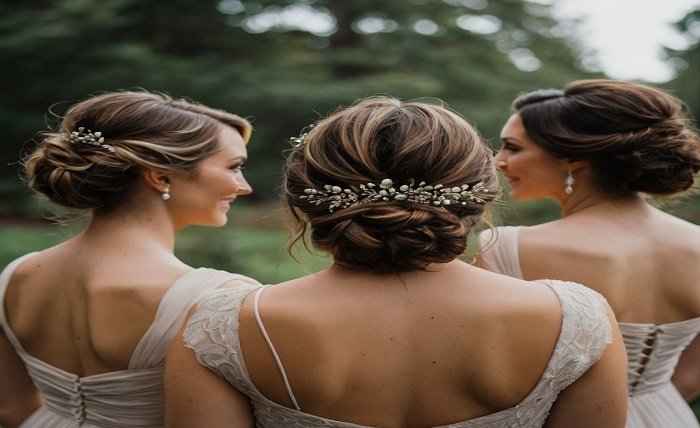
(9, 270)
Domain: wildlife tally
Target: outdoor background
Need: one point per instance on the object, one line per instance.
(283, 64)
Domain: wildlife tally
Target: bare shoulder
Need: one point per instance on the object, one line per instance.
(527, 310)
(520, 330)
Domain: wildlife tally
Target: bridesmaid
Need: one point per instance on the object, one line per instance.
(85, 324)
(397, 332)
(602, 149)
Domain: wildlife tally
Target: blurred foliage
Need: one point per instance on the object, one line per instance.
(284, 63)
(687, 62)
(251, 58)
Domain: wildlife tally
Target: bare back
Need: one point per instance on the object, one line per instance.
(403, 350)
(84, 309)
(642, 260)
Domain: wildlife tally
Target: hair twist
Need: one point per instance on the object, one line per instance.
(380, 138)
(636, 137)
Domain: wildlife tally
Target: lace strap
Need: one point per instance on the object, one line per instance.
(280, 367)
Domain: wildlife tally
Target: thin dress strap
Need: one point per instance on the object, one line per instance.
(280, 367)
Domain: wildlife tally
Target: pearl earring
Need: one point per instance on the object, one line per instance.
(569, 189)
(166, 194)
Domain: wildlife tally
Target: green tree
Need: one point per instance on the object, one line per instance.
(280, 62)
(686, 84)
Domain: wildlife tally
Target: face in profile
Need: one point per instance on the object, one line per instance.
(205, 198)
(531, 172)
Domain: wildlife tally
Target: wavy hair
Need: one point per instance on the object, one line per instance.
(636, 137)
(144, 130)
(378, 138)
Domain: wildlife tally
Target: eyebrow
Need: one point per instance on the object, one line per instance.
(508, 139)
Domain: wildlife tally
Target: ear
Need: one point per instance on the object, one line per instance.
(575, 165)
(158, 180)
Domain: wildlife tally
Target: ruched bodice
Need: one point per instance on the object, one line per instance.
(653, 350)
(127, 398)
(119, 399)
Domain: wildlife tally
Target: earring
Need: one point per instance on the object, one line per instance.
(166, 194)
(569, 189)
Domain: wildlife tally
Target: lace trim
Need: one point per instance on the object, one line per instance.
(586, 331)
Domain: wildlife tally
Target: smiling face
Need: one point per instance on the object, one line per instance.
(531, 172)
(205, 198)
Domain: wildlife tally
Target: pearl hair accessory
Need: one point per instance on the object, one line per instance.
(438, 195)
(86, 136)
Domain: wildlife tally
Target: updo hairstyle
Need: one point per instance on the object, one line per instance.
(144, 130)
(376, 139)
(636, 137)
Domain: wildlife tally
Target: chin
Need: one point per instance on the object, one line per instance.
(220, 222)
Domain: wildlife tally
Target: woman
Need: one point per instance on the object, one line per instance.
(397, 332)
(86, 324)
(600, 148)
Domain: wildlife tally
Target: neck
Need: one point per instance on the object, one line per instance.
(584, 200)
(130, 227)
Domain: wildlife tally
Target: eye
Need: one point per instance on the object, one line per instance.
(510, 147)
(237, 168)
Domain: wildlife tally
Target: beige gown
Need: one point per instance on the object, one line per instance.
(120, 399)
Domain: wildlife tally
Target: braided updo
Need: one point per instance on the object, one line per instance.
(635, 136)
(379, 138)
(140, 130)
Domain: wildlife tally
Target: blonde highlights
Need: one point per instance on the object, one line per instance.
(380, 138)
(145, 130)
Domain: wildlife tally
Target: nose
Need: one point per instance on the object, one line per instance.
(499, 160)
(243, 187)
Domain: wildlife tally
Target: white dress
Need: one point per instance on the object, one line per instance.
(213, 334)
(120, 399)
(653, 350)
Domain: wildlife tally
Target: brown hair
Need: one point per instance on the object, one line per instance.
(145, 130)
(379, 138)
(635, 136)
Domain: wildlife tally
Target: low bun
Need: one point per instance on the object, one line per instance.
(93, 161)
(436, 172)
(81, 179)
(636, 137)
(386, 236)
(662, 163)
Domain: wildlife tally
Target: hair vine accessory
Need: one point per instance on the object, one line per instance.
(300, 141)
(569, 181)
(438, 195)
(86, 136)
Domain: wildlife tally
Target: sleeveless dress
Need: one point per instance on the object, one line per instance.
(119, 399)
(653, 350)
(212, 333)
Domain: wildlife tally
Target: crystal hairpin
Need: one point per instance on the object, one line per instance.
(439, 195)
(300, 141)
(86, 136)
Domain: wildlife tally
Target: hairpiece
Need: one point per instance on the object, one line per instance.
(86, 136)
(300, 141)
(439, 195)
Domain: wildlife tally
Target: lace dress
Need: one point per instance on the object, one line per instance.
(213, 334)
(653, 350)
(120, 399)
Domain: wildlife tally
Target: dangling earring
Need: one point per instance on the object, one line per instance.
(166, 194)
(569, 189)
